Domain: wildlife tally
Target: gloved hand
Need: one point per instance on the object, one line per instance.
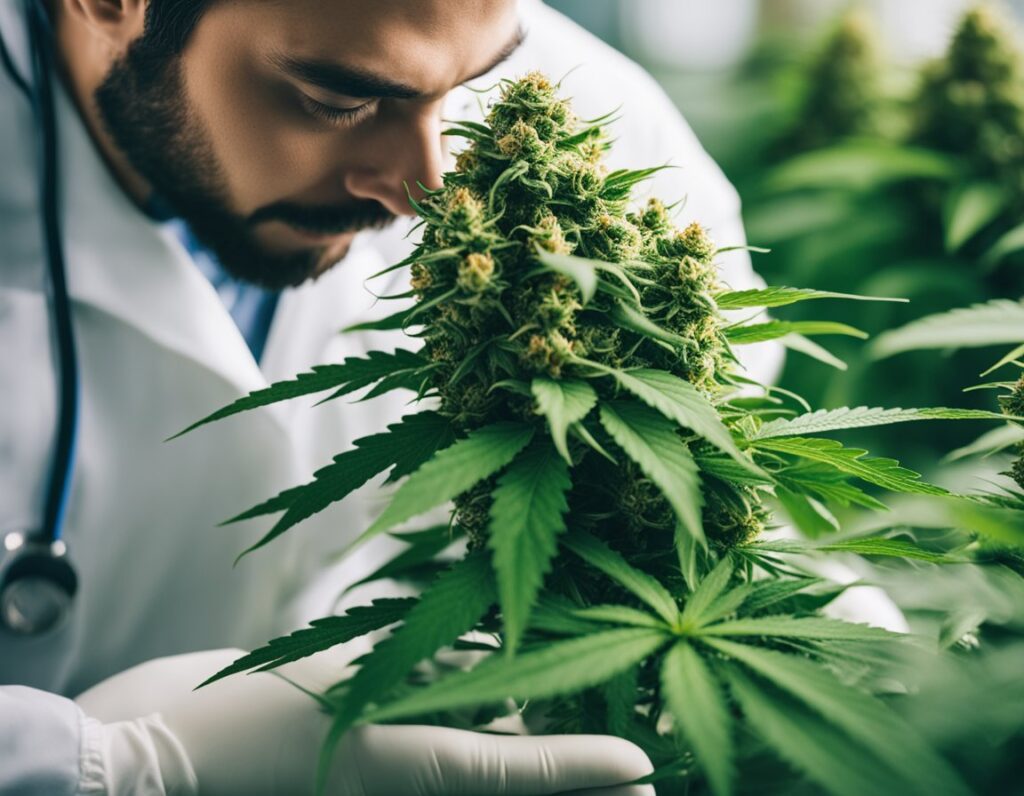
(259, 734)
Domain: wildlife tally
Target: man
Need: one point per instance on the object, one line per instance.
(217, 160)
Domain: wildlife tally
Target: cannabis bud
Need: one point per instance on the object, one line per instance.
(973, 99)
(842, 96)
(498, 311)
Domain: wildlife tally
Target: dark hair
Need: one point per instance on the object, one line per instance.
(169, 23)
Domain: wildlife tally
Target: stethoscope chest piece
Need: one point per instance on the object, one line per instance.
(37, 585)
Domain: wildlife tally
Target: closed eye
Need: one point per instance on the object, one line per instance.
(334, 115)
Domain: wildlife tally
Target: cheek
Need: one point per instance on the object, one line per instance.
(264, 150)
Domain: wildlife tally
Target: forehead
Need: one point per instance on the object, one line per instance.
(431, 45)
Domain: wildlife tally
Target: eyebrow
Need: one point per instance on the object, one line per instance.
(351, 81)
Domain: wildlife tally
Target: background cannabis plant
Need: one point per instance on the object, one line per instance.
(583, 412)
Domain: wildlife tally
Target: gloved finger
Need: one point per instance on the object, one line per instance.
(431, 761)
(615, 790)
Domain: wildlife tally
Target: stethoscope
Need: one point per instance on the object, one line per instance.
(37, 582)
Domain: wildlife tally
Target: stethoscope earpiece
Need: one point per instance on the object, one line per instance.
(37, 585)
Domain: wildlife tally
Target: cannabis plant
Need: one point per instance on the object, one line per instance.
(971, 102)
(932, 213)
(582, 411)
(843, 94)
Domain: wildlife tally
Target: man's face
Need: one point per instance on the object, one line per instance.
(284, 127)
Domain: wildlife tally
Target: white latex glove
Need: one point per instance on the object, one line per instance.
(258, 734)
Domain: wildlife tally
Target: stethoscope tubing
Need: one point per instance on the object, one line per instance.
(58, 487)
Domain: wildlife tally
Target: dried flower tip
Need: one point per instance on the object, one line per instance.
(475, 272)
(548, 353)
(523, 142)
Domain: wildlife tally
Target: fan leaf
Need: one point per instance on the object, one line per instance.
(598, 554)
(405, 446)
(563, 403)
(773, 330)
(527, 516)
(885, 473)
(452, 471)
(563, 667)
(653, 442)
(696, 702)
(321, 635)
(352, 374)
(996, 323)
(862, 417)
(864, 718)
(679, 400)
(781, 296)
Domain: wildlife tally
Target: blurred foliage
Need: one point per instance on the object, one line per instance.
(876, 188)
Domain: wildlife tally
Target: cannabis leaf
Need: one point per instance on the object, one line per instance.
(866, 719)
(679, 400)
(321, 635)
(811, 627)
(781, 296)
(352, 374)
(970, 209)
(696, 702)
(563, 402)
(646, 587)
(526, 518)
(563, 667)
(861, 417)
(885, 473)
(990, 442)
(579, 269)
(451, 606)
(653, 442)
(627, 316)
(405, 446)
(619, 615)
(767, 593)
(772, 330)
(999, 321)
(418, 558)
(452, 471)
(695, 612)
(896, 548)
(806, 740)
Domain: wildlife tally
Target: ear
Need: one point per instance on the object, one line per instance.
(116, 22)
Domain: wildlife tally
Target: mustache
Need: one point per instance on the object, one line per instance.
(327, 220)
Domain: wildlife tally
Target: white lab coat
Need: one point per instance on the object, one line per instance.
(157, 350)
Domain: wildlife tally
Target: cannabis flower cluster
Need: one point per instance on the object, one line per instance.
(498, 311)
(843, 93)
(972, 100)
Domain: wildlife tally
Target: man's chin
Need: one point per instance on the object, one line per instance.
(277, 263)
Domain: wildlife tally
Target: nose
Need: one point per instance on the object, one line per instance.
(402, 151)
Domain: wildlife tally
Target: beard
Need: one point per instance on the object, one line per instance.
(143, 104)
